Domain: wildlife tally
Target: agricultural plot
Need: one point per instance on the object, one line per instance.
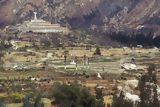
(110, 61)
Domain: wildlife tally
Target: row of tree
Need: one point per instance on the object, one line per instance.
(134, 39)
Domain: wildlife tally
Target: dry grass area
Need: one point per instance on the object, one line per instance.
(108, 99)
(80, 51)
(109, 61)
(14, 105)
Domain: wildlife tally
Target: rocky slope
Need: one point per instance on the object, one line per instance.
(105, 15)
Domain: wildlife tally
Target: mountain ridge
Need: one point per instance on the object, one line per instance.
(106, 15)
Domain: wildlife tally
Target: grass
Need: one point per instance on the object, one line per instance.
(14, 105)
(109, 60)
(16, 75)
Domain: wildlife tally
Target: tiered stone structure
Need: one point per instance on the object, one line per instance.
(41, 26)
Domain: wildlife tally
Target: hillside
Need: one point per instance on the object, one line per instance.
(105, 15)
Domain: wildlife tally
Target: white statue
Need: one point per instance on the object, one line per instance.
(35, 15)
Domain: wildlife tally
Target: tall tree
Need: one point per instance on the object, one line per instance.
(148, 88)
(26, 101)
(97, 51)
(38, 102)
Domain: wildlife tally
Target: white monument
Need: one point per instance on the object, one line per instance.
(35, 16)
(41, 26)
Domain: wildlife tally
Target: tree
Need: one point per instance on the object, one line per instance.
(97, 51)
(119, 101)
(1, 55)
(38, 102)
(99, 97)
(99, 94)
(26, 102)
(1, 61)
(73, 96)
(148, 88)
(2, 102)
(16, 97)
(66, 53)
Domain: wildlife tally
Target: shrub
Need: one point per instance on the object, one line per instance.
(16, 97)
(73, 96)
(97, 51)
